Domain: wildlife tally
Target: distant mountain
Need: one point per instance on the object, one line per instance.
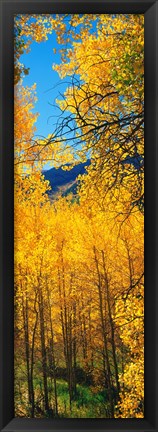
(137, 161)
(65, 182)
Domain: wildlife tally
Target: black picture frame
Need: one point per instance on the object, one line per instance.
(7, 421)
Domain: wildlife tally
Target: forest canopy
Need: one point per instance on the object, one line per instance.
(79, 257)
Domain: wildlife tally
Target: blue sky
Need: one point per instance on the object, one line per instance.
(40, 60)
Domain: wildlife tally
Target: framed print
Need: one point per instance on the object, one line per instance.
(78, 216)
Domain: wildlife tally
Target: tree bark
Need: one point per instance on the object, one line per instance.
(108, 377)
(43, 351)
(111, 327)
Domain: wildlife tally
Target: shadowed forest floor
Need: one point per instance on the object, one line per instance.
(88, 402)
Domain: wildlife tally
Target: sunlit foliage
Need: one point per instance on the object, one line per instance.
(79, 266)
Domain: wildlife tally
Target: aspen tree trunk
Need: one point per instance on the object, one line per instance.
(104, 337)
(111, 327)
(43, 350)
(72, 341)
(66, 330)
(54, 371)
(62, 317)
(69, 352)
(27, 354)
(32, 360)
(67, 337)
(74, 348)
(26, 338)
(90, 335)
(52, 352)
(83, 332)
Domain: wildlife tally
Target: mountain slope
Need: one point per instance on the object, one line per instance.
(65, 181)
